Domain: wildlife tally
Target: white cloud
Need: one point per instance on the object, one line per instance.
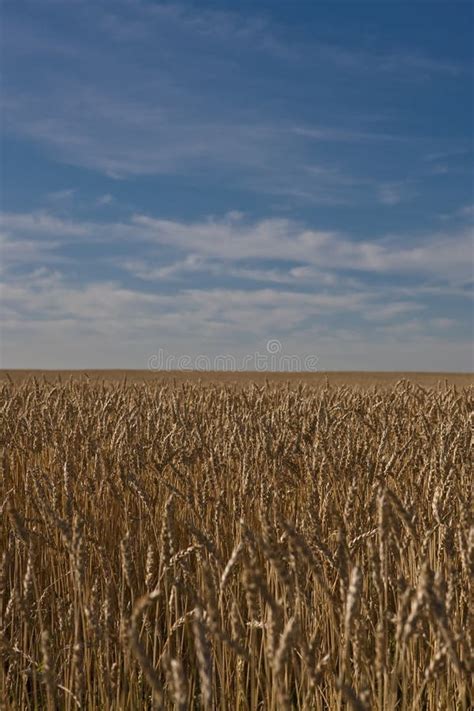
(443, 323)
(389, 195)
(105, 325)
(344, 135)
(401, 63)
(27, 251)
(194, 264)
(46, 302)
(106, 199)
(440, 255)
(393, 310)
(305, 304)
(65, 195)
(41, 223)
(467, 211)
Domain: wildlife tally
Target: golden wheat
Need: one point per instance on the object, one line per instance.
(204, 546)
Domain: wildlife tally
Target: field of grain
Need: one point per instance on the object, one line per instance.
(356, 379)
(173, 545)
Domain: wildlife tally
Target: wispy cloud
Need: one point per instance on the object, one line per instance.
(403, 63)
(233, 239)
(41, 223)
(108, 306)
(466, 211)
(184, 118)
(310, 303)
(392, 194)
(105, 324)
(194, 264)
(283, 239)
(106, 199)
(58, 196)
(15, 252)
(225, 27)
(344, 135)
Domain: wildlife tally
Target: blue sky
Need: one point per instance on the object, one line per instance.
(198, 178)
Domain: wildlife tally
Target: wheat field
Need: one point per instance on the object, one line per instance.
(203, 546)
